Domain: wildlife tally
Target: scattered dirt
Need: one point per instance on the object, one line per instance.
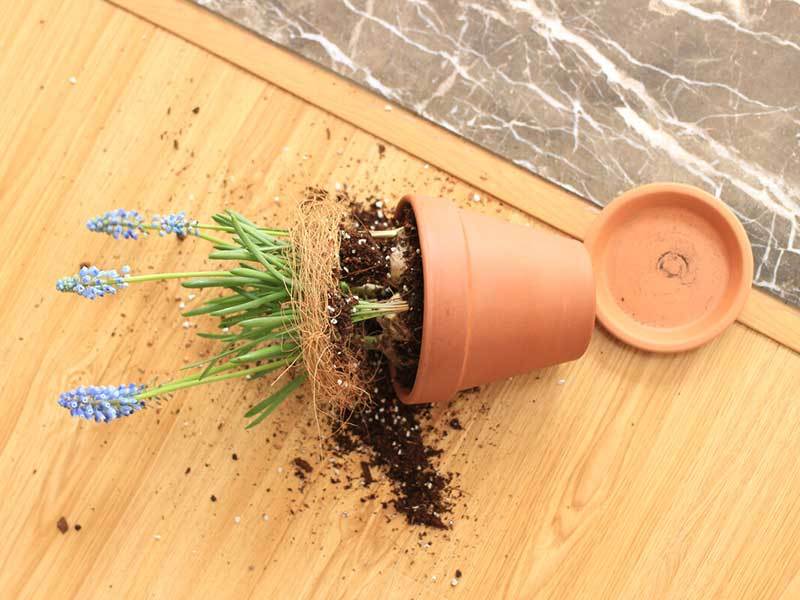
(393, 437)
(62, 525)
(382, 441)
(390, 434)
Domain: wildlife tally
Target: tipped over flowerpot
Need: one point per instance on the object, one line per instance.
(500, 299)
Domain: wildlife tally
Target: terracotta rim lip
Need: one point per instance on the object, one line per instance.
(627, 332)
(424, 368)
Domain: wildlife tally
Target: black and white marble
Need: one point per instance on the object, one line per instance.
(595, 96)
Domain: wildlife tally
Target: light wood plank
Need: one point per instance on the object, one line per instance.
(639, 476)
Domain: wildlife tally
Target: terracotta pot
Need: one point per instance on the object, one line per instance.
(673, 267)
(499, 299)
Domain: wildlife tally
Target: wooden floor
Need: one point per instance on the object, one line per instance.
(622, 475)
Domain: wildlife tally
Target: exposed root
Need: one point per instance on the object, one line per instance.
(323, 315)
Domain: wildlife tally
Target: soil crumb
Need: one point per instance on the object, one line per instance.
(303, 467)
(62, 525)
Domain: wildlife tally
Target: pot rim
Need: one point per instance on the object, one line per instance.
(443, 350)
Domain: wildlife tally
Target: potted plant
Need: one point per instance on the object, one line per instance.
(454, 299)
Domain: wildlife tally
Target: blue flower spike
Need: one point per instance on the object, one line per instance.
(176, 223)
(104, 403)
(119, 223)
(91, 282)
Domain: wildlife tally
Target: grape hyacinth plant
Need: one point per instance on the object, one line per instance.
(255, 306)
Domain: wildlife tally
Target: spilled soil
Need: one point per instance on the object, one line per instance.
(390, 439)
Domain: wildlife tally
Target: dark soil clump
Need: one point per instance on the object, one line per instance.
(363, 259)
(62, 525)
(303, 467)
(412, 289)
(372, 215)
(391, 434)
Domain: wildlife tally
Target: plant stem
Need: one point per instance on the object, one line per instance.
(184, 275)
(195, 381)
(370, 310)
(216, 241)
(386, 233)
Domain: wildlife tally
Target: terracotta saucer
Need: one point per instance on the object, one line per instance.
(673, 267)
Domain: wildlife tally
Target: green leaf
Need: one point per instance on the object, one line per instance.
(216, 336)
(254, 250)
(255, 273)
(272, 298)
(264, 408)
(215, 304)
(270, 322)
(268, 352)
(238, 254)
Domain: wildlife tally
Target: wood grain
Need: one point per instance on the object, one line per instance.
(470, 163)
(622, 475)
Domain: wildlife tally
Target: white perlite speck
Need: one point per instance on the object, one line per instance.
(476, 197)
(73, 80)
(454, 582)
(388, 108)
(237, 519)
(562, 381)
